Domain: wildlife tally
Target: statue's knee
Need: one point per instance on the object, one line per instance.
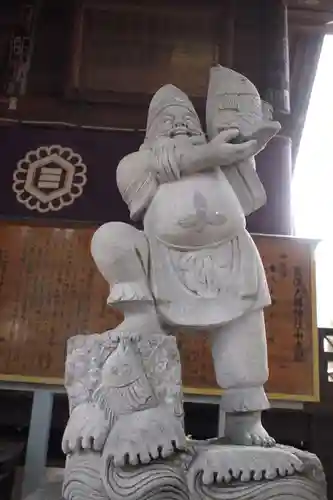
(120, 252)
(238, 374)
(117, 235)
(115, 239)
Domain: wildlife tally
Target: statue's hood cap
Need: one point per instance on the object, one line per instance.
(166, 96)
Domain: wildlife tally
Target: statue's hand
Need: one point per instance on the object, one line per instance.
(264, 133)
(144, 436)
(87, 428)
(221, 152)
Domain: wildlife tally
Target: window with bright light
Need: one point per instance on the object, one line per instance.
(312, 188)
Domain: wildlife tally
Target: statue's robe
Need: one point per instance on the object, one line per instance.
(205, 269)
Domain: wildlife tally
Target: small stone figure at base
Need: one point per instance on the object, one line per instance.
(193, 266)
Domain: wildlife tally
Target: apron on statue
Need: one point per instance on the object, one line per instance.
(205, 269)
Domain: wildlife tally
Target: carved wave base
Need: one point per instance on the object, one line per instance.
(205, 471)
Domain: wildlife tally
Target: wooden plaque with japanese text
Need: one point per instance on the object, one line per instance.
(51, 290)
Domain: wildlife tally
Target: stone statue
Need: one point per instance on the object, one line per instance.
(193, 266)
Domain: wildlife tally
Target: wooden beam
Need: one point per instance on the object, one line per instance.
(309, 17)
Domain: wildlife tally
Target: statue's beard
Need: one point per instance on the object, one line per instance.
(167, 152)
(182, 141)
(192, 140)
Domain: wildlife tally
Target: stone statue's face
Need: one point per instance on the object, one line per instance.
(176, 121)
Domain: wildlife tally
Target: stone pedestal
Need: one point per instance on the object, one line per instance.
(204, 471)
(138, 454)
(48, 492)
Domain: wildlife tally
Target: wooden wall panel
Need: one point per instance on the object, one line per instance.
(135, 49)
(50, 61)
(112, 55)
(50, 290)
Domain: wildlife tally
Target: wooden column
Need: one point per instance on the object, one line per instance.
(276, 78)
(261, 52)
(274, 166)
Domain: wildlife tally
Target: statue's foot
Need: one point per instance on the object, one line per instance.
(87, 429)
(223, 464)
(143, 436)
(246, 429)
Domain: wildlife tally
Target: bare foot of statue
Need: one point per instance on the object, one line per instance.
(246, 429)
(143, 436)
(87, 429)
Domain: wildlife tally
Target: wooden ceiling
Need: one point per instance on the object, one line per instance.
(311, 4)
(311, 15)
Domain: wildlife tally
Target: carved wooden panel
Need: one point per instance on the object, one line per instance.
(9, 21)
(50, 290)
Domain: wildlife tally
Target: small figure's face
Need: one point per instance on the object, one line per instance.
(176, 121)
